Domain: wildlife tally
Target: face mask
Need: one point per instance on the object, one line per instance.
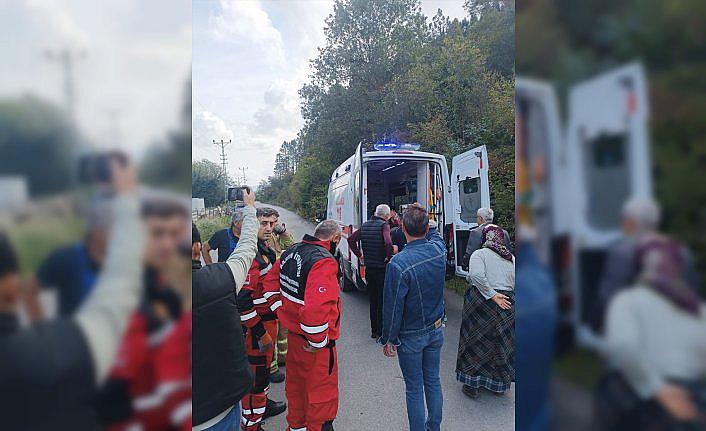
(332, 246)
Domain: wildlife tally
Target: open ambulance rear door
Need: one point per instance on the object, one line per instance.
(608, 155)
(470, 190)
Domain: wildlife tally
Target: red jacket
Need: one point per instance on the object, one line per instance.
(318, 318)
(253, 304)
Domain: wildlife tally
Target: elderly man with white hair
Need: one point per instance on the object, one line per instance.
(377, 249)
(226, 239)
(640, 220)
(484, 218)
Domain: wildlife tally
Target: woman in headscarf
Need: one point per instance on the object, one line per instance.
(656, 345)
(486, 351)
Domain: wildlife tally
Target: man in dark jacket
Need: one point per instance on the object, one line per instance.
(220, 368)
(484, 217)
(374, 236)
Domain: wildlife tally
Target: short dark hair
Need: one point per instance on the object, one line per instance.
(195, 234)
(415, 220)
(8, 258)
(267, 212)
(163, 207)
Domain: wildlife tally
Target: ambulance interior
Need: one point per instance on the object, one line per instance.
(399, 182)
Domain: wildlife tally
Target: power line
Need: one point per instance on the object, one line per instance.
(224, 164)
(66, 58)
(243, 178)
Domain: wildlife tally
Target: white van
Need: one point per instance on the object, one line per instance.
(579, 176)
(399, 175)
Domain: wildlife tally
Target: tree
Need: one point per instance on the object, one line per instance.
(385, 71)
(39, 143)
(207, 182)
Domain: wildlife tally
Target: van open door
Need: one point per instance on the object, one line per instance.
(608, 152)
(470, 190)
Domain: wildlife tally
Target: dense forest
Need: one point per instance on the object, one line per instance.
(566, 42)
(386, 70)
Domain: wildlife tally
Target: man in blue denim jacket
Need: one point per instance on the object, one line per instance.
(413, 316)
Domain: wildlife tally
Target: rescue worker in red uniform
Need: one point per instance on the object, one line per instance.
(260, 326)
(306, 277)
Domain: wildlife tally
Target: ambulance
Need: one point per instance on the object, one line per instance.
(575, 175)
(398, 174)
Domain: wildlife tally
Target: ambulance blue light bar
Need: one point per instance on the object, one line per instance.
(388, 145)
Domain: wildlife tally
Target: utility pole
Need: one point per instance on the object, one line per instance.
(66, 59)
(243, 178)
(224, 164)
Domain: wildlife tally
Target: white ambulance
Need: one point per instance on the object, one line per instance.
(398, 175)
(574, 179)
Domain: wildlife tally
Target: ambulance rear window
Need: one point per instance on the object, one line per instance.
(607, 178)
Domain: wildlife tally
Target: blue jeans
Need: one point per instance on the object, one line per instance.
(420, 358)
(231, 421)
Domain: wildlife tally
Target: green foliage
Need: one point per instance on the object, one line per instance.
(566, 42)
(37, 142)
(207, 182)
(384, 70)
(207, 226)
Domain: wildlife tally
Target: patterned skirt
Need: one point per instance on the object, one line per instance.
(486, 351)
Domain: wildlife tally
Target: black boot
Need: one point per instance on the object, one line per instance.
(328, 426)
(277, 377)
(468, 391)
(274, 408)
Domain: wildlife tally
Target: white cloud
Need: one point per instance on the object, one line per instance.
(247, 23)
(208, 126)
(57, 18)
(281, 111)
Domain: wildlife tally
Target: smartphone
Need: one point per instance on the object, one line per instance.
(236, 194)
(95, 168)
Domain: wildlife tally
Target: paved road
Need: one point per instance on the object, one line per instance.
(370, 384)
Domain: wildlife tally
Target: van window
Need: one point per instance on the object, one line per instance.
(607, 178)
(469, 197)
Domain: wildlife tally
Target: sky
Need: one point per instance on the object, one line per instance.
(250, 58)
(135, 60)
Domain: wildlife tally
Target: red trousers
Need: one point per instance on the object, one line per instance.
(311, 385)
(254, 403)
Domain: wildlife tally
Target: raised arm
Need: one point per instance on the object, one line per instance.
(104, 315)
(241, 258)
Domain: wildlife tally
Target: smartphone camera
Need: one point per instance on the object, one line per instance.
(96, 168)
(236, 194)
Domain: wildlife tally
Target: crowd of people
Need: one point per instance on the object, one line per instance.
(405, 278)
(287, 300)
(115, 351)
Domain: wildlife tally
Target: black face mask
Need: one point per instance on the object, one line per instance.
(332, 246)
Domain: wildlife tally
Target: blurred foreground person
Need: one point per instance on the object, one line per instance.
(72, 270)
(134, 395)
(377, 249)
(49, 373)
(220, 370)
(484, 217)
(226, 239)
(486, 351)
(413, 317)
(281, 240)
(536, 318)
(656, 343)
(9, 288)
(260, 322)
(310, 309)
